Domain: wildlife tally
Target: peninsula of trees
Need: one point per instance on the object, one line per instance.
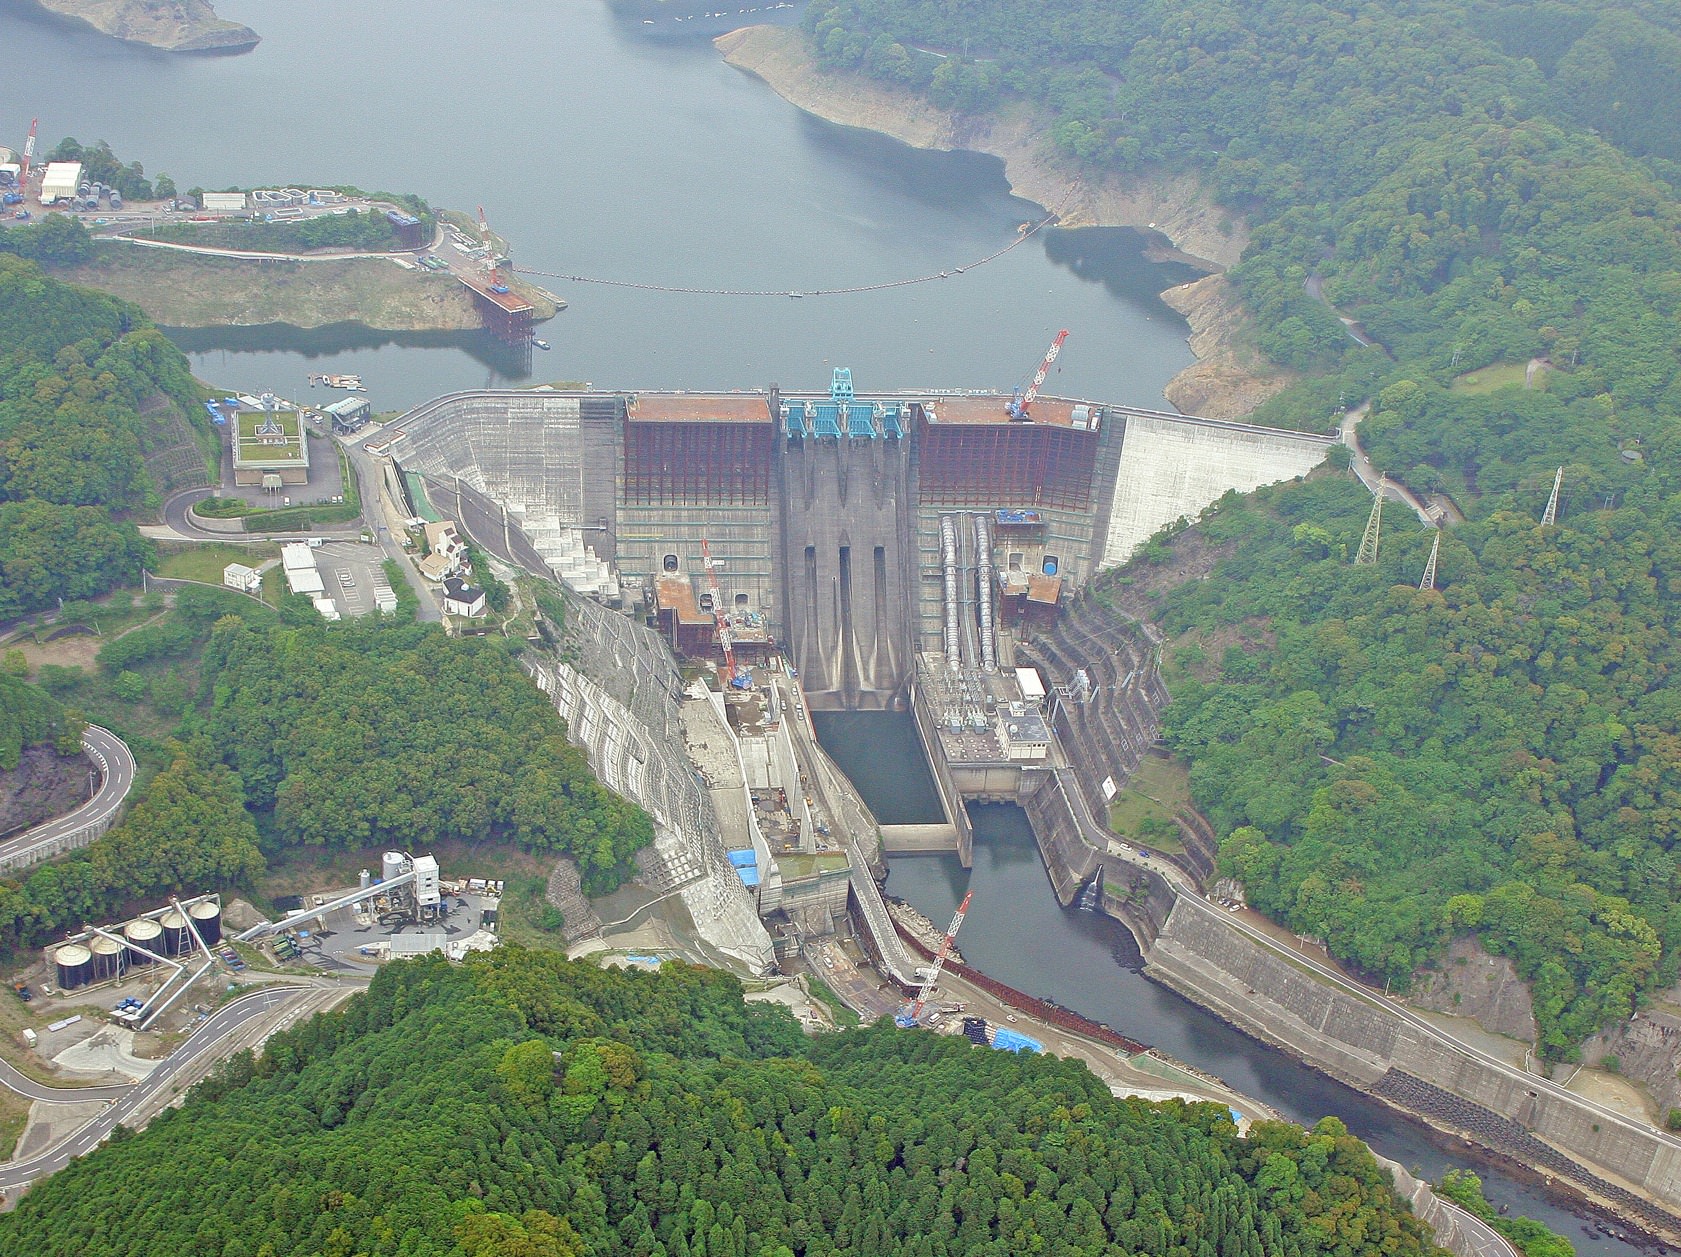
(525, 1104)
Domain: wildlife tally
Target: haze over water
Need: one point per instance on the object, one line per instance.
(598, 151)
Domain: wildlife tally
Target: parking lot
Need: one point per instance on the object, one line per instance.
(353, 576)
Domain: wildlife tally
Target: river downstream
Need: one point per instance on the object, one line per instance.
(600, 152)
(1017, 933)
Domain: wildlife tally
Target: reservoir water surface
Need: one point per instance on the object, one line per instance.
(600, 152)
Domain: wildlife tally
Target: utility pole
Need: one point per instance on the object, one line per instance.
(1368, 543)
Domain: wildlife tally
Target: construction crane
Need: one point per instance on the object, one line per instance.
(28, 155)
(908, 1015)
(726, 639)
(1021, 401)
(492, 260)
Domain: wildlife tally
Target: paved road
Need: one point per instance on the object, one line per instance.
(116, 768)
(126, 1100)
(1373, 479)
(382, 515)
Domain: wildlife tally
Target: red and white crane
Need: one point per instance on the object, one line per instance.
(726, 639)
(28, 155)
(494, 262)
(911, 1012)
(1021, 401)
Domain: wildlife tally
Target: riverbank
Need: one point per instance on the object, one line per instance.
(1230, 377)
(181, 26)
(191, 290)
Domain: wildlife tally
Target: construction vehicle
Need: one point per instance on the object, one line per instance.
(1019, 404)
(911, 1014)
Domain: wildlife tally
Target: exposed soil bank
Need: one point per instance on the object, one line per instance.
(1230, 379)
(172, 25)
(45, 784)
(194, 290)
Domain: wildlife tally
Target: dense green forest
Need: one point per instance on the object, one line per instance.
(31, 717)
(364, 733)
(1478, 184)
(1394, 766)
(84, 378)
(523, 1104)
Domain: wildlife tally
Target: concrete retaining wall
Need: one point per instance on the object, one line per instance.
(1174, 465)
(1365, 1043)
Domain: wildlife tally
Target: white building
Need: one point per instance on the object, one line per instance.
(245, 579)
(461, 598)
(299, 561)
(224, 202)
(61, 181)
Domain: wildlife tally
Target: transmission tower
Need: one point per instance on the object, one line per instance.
(1550, 515)
(1429, 581)
(1368, 543)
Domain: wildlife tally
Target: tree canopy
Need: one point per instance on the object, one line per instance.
(84, 384)
(1478, 185)
(365, 733)
(1391, 767)
(579, 1110)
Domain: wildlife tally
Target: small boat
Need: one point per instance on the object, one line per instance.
(541, 344)
(350, 383)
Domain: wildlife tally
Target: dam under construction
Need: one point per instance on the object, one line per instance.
(921, 552)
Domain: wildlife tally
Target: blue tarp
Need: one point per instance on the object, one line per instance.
(749, 875)
(1010, 1041)
(743, 859)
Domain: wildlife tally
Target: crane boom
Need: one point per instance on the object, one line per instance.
(492, 261)
(1021, 401)
(725, 638)
(909, 1016)
(28, 154)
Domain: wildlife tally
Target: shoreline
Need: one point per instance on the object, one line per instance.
(186, 26)
(1229, 378)
(200, 292)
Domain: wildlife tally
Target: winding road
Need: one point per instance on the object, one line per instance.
(126, 1100)
(116, 771)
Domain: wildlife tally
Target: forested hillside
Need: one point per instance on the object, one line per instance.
(79, 371)
(367, 733)
(578, 1110)
(1394, 766)
(1480, 185)
(30, 717)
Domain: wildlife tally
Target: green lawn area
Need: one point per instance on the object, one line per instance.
(206, 562)
(1492, 379)
(1144, 811)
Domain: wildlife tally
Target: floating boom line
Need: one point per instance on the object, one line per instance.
(1030, 230)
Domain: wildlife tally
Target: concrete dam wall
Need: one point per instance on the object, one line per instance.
(1173, 465)
(848, 576)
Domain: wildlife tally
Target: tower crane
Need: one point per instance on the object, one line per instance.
(1021, 401)
(742, 680)
(908, 1015)
(28, 156)
(492, 260)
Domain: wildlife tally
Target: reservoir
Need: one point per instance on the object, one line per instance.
(1017, 933)
(599, 151)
